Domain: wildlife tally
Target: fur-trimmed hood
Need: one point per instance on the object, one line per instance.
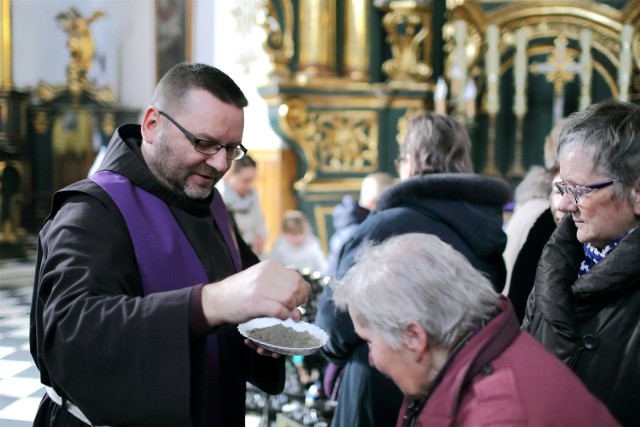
(469, 204)
(472, 188)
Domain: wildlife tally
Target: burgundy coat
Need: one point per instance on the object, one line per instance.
(503, 376)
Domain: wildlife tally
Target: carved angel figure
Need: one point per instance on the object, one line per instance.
(79, 42)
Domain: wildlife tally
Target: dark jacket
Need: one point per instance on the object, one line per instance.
(502, 376)
(592, 322)
(464, 210)
(122, 357)
(346, 216)
(524, 269)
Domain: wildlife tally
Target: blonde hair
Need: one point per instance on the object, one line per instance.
(294, 222)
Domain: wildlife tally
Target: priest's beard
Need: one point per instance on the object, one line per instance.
(167, 167)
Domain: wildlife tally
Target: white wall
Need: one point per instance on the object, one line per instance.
(237, 50)
(202, 31)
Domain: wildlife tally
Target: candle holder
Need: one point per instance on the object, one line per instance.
(490, 165)
(517, 167)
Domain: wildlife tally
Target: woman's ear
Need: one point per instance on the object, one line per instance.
(416, 340)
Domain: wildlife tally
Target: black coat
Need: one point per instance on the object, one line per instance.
(524, 269)
(465, 211)
(121, 357)
(592, 322)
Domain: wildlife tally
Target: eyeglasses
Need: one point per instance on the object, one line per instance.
(576, 192)
(234, 152)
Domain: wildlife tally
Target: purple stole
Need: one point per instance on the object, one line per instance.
(172, 263)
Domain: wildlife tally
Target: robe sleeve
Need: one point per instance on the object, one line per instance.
(118, 356)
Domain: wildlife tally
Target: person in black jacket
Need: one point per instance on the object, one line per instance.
(585, 304)
(437, 194)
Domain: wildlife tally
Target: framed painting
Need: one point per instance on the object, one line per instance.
(173, 34)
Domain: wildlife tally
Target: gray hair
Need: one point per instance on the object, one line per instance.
(416, 277)
(437, 144)
(608, 132)
(174, 87)
(536, 184)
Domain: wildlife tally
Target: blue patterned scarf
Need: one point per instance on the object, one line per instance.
(594, 255)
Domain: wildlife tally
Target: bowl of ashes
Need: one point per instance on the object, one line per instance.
(286, 337)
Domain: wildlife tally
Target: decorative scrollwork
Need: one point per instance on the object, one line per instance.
(278, 24)
(334, 141)
(346, 141)
(410, 39)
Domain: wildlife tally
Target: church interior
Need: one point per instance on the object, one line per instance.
(334, 98)
(333, 84)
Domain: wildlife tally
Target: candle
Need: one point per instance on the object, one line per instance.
(586, 68)
(440, 96)
(459, 73)
(470, 93)
(520, 73)
(492, 64)
(624, 71)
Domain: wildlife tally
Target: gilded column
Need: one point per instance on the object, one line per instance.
(5, 46)
(357, 48)
(317, 37)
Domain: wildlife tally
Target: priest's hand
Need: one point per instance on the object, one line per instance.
(261, 350)
(267, 289)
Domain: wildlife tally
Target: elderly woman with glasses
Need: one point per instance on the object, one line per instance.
(453, 345)
(585, 305)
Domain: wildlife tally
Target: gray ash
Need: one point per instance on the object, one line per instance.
(283, 336)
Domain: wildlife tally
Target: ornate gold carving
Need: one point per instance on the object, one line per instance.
(560, 67)
(82, 49)
(332, 141)
(346, 141)
(294, 121)
(279, 41)
(407, 24)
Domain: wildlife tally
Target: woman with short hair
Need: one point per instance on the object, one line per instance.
(585, 305)
(453, 345)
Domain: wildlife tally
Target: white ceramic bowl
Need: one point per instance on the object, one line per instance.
(264, 322)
